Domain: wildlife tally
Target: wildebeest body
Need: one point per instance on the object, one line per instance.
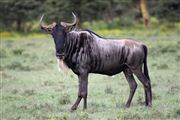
(100, 55)
(85, 52)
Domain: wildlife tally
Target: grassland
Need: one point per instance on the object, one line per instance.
(33, 89)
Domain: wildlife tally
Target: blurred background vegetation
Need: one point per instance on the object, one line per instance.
(32, 88)
(23, 15)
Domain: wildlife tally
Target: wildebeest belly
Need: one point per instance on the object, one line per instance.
(111, 69)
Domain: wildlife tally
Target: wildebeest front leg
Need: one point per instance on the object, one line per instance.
(74, 107)
(132, 84)
(82, 93)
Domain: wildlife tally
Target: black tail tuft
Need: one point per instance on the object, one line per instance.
(146, 70)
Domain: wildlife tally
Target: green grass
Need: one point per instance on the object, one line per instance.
(32, 88)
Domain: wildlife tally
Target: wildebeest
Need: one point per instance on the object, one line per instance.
(85, 52)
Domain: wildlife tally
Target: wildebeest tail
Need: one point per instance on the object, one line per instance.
(145, 63)
(146, 69)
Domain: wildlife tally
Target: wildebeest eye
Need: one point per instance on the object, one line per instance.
(49, 30)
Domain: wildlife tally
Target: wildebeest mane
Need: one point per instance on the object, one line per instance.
(78, 42)
(91, 32)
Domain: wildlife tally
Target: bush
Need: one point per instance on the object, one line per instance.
(3, 53)
(29, 92)
(17, 51)
(108, 90)
(177, 113)
(162, 66)
(16, 65)
(65, 99)
(84, 116)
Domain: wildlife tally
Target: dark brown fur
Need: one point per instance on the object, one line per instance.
(85, 52)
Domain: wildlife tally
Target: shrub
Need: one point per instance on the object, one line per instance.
(6, 34)
(108, 90)
(56, 117)
(162, 66)
(16, 65)
(65, 99)
(177, 113)
(17, 51)
(84, 116)
(29, 92)
(174, 89)
(140, 100)
(3, 53)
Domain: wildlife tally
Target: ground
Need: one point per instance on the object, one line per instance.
(32, 88)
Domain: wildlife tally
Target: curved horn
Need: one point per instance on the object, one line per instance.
(40, 21)
(75, 19)
(70, 24)
(46, 28)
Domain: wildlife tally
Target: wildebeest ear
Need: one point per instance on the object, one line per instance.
(67, 27)
(48, 28)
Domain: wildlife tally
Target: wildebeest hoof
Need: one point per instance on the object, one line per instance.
(85, 110)
(149, 105)
(127, 105)
(73, 108)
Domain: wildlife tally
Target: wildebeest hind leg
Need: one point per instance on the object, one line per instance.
(147, 85)
(132, 84)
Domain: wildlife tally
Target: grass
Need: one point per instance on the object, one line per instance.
(32, 88)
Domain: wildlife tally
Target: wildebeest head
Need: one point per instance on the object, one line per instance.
(58, 31)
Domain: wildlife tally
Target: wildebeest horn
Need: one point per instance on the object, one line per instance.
(75, 19)
(40, 21)
(47, 28)
(70, 24)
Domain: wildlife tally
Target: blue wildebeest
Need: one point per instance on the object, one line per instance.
(85, 52)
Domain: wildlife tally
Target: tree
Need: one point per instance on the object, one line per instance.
(19, 11)
(166, 10)
(144, 11)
